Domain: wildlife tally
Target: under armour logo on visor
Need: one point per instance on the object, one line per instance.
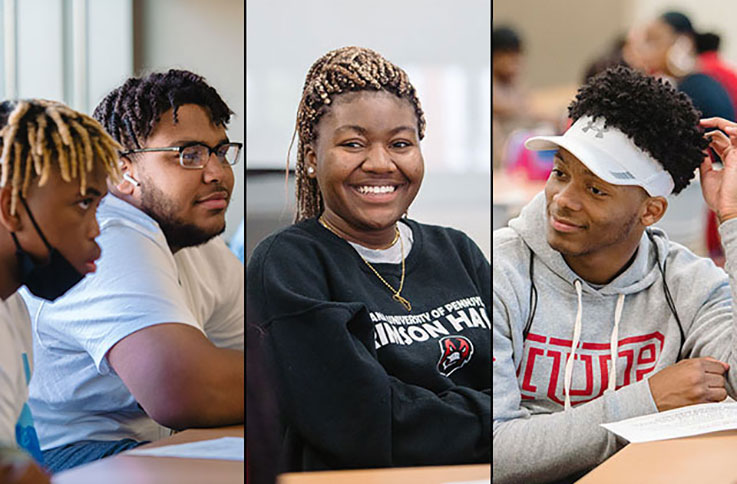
(623, 175)
(599, 129)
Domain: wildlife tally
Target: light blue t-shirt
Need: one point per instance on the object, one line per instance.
(237, 242)
(16, 362)
(75, 394)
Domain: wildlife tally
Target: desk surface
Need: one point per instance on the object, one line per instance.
(404, 475)
(708, 458)
(125, 469)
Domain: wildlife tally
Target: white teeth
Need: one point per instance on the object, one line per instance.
(375, 189)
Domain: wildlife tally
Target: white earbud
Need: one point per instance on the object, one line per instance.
(129, 178)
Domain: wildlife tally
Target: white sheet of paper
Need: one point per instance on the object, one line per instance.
(681, 422)
(225, 448)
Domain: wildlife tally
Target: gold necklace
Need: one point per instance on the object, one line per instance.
(396, 294)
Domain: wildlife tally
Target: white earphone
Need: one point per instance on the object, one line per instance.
(129, 178)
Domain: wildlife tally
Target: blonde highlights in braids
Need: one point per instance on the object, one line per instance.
(39, 131)
(337, 72)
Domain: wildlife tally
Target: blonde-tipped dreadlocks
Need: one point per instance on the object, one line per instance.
(35, 132)
(339, 71)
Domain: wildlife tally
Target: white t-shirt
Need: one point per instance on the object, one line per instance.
(75, 394)
(15, 341)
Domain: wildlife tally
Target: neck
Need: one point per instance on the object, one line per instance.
(372, 239)
(601, 267)
(9, 276)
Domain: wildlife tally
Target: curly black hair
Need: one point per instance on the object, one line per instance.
(659, 119)
(130, 112)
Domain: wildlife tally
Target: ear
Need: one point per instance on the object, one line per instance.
(10, 222)
(653, 209)
(310, 161)
(124, 186)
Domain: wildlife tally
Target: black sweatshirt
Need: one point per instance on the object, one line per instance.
(362, 382)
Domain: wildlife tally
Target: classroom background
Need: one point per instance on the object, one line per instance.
(562, 43)
(76, 51)
(445, 51)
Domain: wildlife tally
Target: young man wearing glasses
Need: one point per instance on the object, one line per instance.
(154, 341)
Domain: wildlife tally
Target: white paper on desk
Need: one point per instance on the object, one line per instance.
(681, 422)
(225, 448)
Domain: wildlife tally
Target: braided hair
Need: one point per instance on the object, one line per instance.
(130, 112)
(36, 131)
(337, 72)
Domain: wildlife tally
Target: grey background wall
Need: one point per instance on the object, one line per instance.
(76, 51)
(444, 47)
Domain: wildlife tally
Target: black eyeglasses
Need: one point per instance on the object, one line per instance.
(195, 155)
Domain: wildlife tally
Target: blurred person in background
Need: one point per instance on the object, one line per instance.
(510, 106)
(711, 63)
(667, 47)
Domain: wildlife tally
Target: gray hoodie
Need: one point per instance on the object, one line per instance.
(538, 439)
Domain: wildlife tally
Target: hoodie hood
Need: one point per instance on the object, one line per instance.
(531, 225)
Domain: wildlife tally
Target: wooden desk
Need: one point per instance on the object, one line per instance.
(709, 458)
(404, 475)
(135, 469)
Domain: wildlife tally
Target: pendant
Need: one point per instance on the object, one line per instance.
(402, 301)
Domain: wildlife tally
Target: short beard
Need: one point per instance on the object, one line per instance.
(178, 234)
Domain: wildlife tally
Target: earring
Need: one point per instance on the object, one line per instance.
(310, 170)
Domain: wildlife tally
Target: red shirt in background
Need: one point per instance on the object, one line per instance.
(712, 65)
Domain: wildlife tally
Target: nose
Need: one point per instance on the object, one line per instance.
(94, 228)
(378, 159)
(568, 197)
(214, 169)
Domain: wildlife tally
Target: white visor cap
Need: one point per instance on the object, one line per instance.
(609, 154)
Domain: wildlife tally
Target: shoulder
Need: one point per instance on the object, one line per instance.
(684, 267)
(442, 239)
(116, 215)
(302, 239)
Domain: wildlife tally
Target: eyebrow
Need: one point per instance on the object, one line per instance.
(586, 171)
(184, 141)
(363, 130)
(351, 127)
(91, 191)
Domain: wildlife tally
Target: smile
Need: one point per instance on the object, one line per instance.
(561, 225)
(376, 189)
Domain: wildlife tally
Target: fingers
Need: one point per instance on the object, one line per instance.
(714, 381)
(720, 123)
(712, 365)
(716, 394)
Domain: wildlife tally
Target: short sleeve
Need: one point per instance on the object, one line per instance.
(136, 285)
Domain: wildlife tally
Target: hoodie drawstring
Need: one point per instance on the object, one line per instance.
(613, 345)
(614, 342)
(574, 347)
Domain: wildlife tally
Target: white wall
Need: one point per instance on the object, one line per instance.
(444, 47)
(205, 37)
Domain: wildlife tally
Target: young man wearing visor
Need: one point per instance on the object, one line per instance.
(597, 316)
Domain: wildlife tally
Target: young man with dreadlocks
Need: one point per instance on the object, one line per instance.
(599, 317)
(378, 326)
(154, 341)
(55, 162)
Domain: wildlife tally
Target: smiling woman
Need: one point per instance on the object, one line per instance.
(378, 325)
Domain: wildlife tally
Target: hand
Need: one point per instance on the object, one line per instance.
(688, 382)
(720, 187)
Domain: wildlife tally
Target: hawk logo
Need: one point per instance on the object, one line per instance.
(455, 352)
(600, 130)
